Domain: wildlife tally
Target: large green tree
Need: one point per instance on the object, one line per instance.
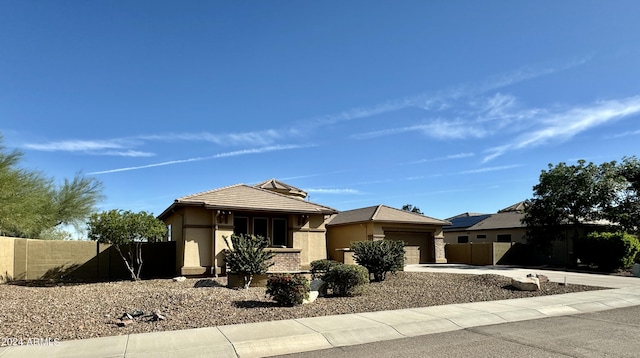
(34, 206)
(126, 231)
(626, 212)
(412, 209)
(568, 196)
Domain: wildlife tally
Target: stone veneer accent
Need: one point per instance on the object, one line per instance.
(285, 260)
(439, 250)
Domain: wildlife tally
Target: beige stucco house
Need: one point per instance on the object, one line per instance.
(504, 226)
(298, 231)
(422, 235)
(199, 222)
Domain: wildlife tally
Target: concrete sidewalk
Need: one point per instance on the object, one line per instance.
(306, 334)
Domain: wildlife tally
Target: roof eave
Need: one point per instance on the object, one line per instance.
(244, 208)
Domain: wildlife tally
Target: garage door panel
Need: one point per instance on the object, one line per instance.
(423, 240)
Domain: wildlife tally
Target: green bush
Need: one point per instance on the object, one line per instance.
(319, 268)
(247, 256)
(347, 280)
(379, 257)
(287, 289)
(609, 250)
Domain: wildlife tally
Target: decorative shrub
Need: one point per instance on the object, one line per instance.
(347, 280)
(319, 268)
(379, 257)
(287, 289)
(609, 250)
(247, 256)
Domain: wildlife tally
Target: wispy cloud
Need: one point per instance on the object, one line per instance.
(127, 153)
(446, 157)
(76, 145)
(435, 128)
(439, 100)
(197, 159)
(565, 125)
(264, 137)
(491, 169)
(530, 72)
(477, 117)
(124, 146)
(112, 147)
(625, 134)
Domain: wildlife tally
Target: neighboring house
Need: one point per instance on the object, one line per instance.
(504, 226)
(298, 231)
(419, 232)
(272, 209)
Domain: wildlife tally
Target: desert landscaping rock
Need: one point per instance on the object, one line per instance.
(83, 310)
(528, 283)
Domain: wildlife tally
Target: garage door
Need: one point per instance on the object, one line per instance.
(423, 240)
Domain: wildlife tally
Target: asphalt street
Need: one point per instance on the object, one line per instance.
(611, 333)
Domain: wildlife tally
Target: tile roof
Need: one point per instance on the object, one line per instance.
(383, 213)
(250, 198)
(501, 220)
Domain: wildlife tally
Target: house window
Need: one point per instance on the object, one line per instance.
(279, 231)
(463, 239)
(261, 227)
(504, 238)
(169, 232)
(240, 225)
(481, 236)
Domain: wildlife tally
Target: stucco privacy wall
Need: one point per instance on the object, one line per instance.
(489, 253)
(28, 259)
(6, 258)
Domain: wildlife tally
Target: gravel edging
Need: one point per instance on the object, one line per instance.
(77, 311)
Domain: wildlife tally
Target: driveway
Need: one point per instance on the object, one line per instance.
(577, 278)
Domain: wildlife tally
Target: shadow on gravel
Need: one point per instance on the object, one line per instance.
(207, 282)
(255, 304)
(46, 283)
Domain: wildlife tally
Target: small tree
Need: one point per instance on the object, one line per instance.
(379, 256)
(247, 256)
(126, 231)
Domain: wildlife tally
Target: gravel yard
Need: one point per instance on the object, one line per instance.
(75, 311)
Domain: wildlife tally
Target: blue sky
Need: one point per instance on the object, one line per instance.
(450, 106)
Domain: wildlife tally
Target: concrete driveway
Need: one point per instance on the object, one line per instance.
(577, 278)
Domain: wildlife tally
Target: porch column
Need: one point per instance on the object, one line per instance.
(438, 243)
